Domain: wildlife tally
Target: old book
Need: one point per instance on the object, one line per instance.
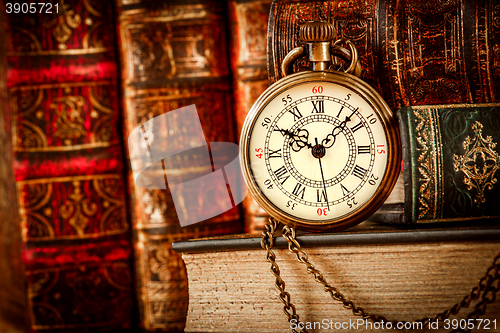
(450, 164)
(404, 275)
(65, 249)
(412, 52)
(247, 48)
(173, 55)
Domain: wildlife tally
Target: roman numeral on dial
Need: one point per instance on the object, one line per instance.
(274, 153)
(296, 113)
(356, 127)
(359, 172)
(299, 190)
(318, 106)
(363, 150)
(282, 173)
(345, 191)
(340, 111)
(321, 196)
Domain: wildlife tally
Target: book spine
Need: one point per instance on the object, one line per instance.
(411, 52)
(13, 293)
(172, 55)
(450, 162)
(68, 170)
(248, 32)
(440, 54)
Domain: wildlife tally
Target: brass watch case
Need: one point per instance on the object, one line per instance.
(390, 127)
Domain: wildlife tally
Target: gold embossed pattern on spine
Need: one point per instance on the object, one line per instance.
(248, 37)
(428, 148)
(86, 18)
(89, 207)
(64, 117)
(412, 52)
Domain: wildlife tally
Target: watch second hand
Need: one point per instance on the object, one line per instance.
(323, 178)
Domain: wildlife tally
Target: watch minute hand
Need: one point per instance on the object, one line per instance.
(299, 140)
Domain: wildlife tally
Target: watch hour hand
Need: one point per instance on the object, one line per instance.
(330, 138)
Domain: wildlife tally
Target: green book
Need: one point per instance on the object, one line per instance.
(450, 164)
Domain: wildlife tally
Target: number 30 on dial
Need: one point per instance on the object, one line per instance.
(320, 150)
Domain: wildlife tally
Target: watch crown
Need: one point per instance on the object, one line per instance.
(315, 31)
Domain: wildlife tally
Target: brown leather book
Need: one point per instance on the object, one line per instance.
(64, 247)
(412, 52)
(173, 54)
(403, 275)
(248, 37)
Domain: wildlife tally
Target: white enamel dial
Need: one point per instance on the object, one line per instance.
(316, 151)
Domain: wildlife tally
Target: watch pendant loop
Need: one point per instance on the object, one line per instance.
(354, 66)
(320, 52)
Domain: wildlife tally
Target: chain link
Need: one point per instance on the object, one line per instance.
(267, 243)
(486, 289)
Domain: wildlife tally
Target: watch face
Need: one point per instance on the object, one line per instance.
(318, 150)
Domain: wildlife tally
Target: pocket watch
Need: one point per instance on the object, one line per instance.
(320, 149)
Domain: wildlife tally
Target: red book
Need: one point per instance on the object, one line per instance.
(65, 249)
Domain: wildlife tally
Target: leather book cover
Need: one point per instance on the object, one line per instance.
(65, 248)
(247, 22)
(451, 163)
(412, 52)
(173, 54)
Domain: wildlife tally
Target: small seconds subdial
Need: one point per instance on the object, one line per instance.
(317, 151)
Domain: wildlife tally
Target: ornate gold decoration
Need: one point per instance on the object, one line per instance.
(113, 218)
(429, 151)
(98, 210)
(90, 41)
(154, 53)
(70, 123)
(62, 32)
(36, 198)
(35, 127)
(479, 162)
(78, 210)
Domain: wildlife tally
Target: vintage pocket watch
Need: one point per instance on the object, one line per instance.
(320, 149)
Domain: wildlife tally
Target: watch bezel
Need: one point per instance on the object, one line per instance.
(390, 128)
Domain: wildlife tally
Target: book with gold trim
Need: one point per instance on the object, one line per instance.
(450, 164)
(173, 54)
(65, 249)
